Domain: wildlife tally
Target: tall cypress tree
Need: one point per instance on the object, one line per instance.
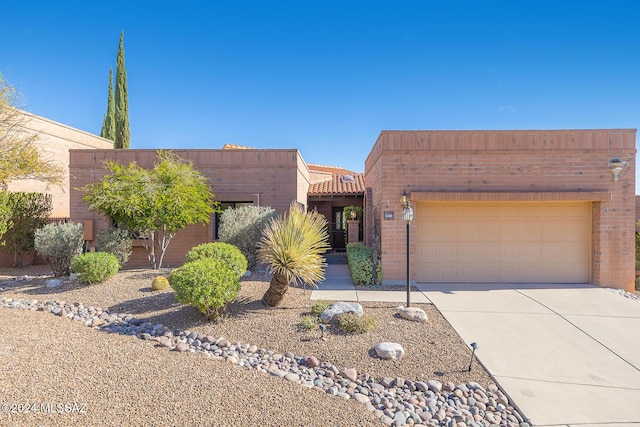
(122, 100)
(109, 122)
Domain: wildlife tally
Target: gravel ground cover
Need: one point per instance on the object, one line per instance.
(137, 377)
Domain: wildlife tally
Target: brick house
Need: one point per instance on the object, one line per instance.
(489, 206)
(505, 206)
(238, 175)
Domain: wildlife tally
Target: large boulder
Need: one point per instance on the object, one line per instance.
(414, 314)
(337, 309)
(389, 350)
(53, 283)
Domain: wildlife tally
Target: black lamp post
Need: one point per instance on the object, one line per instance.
(407, 216)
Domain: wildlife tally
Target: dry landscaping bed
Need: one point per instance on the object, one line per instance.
(433, 351)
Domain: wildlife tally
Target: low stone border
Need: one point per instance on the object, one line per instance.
(395, 401)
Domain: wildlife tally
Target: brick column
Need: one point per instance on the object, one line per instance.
(353, 235)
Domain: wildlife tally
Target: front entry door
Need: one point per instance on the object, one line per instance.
(337, 229)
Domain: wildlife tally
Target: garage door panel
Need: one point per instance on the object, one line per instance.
(446, 230)
(513, 251)
(447, 252)
(563, 231)
(511, 232)
(508, 242)
(469, 232)
(488, 252)
(427, 252)
(530, 232)
(469, 251)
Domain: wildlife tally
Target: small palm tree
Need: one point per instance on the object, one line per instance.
(292, 246)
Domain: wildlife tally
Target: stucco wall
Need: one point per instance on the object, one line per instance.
(55, 140)
(265, 177)
(509, 165)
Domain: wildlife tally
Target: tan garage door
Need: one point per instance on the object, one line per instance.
(504, 242)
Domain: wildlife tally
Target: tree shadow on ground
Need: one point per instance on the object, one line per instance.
(146, 274)
(157, 301)
(38, 286)
(163, 308)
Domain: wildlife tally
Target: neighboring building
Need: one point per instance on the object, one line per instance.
(238, 176)
(55, 140)
(505, 206)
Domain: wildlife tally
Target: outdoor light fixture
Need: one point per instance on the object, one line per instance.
(616, 166)
(353, 214)
(322, 329)
(407, 216)
(474, 346)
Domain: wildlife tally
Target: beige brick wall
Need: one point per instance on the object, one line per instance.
(55, 140)
(509, 165)
(265, 177)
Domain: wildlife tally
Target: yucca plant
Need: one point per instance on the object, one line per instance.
(292, 247)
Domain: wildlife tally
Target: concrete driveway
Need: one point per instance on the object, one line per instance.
(567, 355)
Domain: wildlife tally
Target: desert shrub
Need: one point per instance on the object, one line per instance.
(360, 259)
(207, 284)
(95, 267)
(160, 283)
(354, 324)
(309, 322)
(222, 252)
(243, 227)
(59, 244)
(116, 241)
(29, 211)
(5, 214)
(319, 306)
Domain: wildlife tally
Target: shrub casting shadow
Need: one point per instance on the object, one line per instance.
(149, 304)
(184, 316)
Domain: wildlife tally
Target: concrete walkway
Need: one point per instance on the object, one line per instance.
(338, 286)
(568, 355)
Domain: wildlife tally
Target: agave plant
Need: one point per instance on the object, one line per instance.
(292, 247)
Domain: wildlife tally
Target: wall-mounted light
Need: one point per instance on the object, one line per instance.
(616, 166)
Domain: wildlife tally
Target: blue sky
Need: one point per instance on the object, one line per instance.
(326, 77)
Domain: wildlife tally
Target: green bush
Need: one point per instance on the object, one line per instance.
(360, 259)
(160, 283)
(59, 244)
(243, 227)
(319, 306)
(309, 322)
(95, 267)
(116, 241)
(207, 284)
(29, 211)
(222, 252)
(354, 324)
